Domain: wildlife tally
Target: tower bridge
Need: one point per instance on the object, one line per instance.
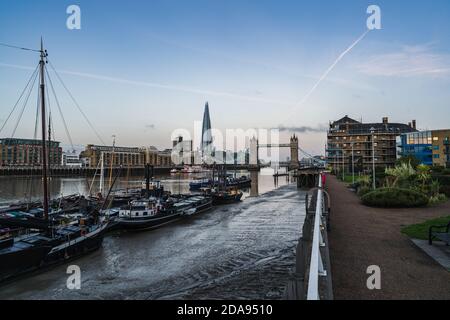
(293, 164)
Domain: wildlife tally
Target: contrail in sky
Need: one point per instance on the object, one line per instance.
(327, 72)
(161, 86)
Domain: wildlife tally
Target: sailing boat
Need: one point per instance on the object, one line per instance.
(56, 243)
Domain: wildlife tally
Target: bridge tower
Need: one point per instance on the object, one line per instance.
(294, 153)
(254, 157)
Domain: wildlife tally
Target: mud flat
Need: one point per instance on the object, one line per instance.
(242, 251)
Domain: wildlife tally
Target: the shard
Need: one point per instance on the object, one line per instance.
(206, 131)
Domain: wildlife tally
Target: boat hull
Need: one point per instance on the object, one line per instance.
(226, 199)
(77, 247)
(20, 262)
(146, 223)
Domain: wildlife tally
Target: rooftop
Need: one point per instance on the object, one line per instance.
(352, 126)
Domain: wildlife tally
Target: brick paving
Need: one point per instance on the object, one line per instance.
(362, 236)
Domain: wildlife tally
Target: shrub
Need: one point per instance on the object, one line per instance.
(437, 199)
(394, 198)
(445, 190)
(443, 180)
(437, 169)
(363, 191)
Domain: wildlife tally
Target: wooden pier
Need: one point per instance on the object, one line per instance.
(307, 177)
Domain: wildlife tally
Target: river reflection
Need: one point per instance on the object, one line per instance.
(21, 188)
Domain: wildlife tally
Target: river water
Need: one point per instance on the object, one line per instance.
(241, 251)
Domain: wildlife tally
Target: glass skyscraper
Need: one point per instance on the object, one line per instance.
(206, 145)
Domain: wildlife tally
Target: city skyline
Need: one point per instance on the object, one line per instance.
(254, 63)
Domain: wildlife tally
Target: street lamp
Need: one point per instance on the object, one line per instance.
(372, 131)
(353, 162)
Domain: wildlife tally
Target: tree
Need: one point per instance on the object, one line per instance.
(423, 174)
(412, 160)
(401, 175)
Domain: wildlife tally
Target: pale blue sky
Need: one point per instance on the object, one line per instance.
(141, 69)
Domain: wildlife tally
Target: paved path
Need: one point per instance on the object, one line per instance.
(363, 236)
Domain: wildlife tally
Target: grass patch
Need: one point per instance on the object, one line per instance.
(420, 231)
(347, 178)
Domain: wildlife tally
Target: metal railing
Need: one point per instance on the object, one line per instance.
(316, 268)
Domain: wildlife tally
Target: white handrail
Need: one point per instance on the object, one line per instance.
(316, 267)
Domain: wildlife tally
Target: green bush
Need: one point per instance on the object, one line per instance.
(437, 199)
(363, 191)
(445, 190)
(394, 198)
(437, 169)
(443, 179)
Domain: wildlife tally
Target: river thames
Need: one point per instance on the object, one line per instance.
(240, 251)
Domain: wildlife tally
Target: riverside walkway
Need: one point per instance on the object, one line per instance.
(362, 236)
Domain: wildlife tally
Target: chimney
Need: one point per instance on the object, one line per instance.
(409, 124)
(414, 124)
(385, 120)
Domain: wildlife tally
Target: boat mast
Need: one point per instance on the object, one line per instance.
(112, 161)
(44, 142)
(102, 173)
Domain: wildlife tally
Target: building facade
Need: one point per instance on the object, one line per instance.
(429, 147)
(353, 144)
(125, 156)
(117, 156)
(183, 152)
(28, 152)
(71, 159)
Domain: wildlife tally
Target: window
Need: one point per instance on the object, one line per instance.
(435, 138)
(435, 147)
(436, 156)
(145, 214)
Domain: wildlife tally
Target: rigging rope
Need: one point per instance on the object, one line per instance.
(76, 103)
(59, 109)
(16, 47)
(36, 121)
(20, 97)
(24, 106)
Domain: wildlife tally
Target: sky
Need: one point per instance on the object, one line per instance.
(142, 69)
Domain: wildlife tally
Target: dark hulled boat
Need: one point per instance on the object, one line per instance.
(241, 182)
(55, 243)
(146, 214)
(155, 212)
(19, 255)
(226, 197)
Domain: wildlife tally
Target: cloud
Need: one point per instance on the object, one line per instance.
(302, 129)
(409, 61)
